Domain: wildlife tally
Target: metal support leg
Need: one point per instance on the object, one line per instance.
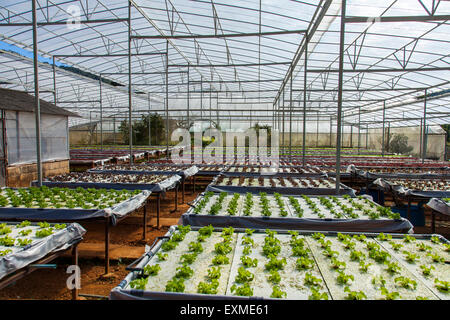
(409, 208)
(144, 225)
(107, 236)
(75, 263)
(158, 209)
(433, 221)
(176, 200)
(183, 189)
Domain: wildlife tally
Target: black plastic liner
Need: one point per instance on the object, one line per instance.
(59, 241)
(350, 225)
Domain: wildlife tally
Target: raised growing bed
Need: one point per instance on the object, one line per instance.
(438, 207)
(151, 182)
(257, 264)
(425, 188)
(26, 246)
(282, 185)
(184, 171)
(400, 172)
(73, 205)
(275, 211)
(280, 171)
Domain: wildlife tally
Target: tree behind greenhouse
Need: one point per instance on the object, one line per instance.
(141, 130)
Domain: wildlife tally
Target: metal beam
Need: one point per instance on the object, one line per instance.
(398, 19)
(215, 36)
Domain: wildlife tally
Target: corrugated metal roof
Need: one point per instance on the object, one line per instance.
(22, 101)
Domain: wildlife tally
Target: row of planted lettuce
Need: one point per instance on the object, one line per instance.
(204, 262)
(277, 205)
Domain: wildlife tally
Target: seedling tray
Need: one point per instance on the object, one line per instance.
(323, 273)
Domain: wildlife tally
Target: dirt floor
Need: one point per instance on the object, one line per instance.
(127, 244)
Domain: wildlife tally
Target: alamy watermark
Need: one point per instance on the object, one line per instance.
(74, 19)
(74, 280)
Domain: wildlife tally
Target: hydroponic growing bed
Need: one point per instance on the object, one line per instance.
(425, 188)
(275, 211)
(233, 264)
(282, 185)
(25, 246)
(151, 182)
(280, 171)
(64, 204)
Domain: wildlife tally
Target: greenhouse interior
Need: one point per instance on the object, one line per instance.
(225, 150)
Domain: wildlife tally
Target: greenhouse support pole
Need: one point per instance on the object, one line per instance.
(305, 78)
(201, 101)
(388, 143)
(290, 119)
(317, 130)
(424, 148)
(367, 136)
(54, 80)
(114, 130)
(384, 129)
(359, 130)
(37, 105)
(167, 99)
(130, 124)
(210, 104)
(351, 136)
(283, 119)
(149, 121)
(420, 138)
(101, 113)
(188, 98)
(331, 131)
(340, 87)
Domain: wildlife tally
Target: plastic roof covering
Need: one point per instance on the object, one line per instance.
(240, 94)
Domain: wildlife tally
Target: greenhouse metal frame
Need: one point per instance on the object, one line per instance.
(284, 63)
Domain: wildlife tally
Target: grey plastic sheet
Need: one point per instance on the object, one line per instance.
(440, 206)
(162, 186)
(402, 191)
(351, 225)
(59, 241)
(116, 212)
